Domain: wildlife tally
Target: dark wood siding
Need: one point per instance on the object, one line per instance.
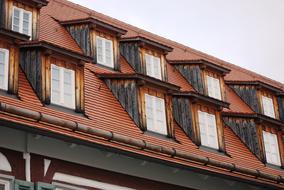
(246, 130)
(30, 61)
(193, 75)
(127, 94)
(182, 115)
(281, 107)
(81, 34)
(248, 93)
(2, 13)
(131, 53)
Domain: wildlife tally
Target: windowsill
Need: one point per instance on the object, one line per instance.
(5, 93)
(272, 166)
(160, 136)
(106, 67)
(65, 110)
(213, 150)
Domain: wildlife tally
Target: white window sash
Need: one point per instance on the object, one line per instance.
(151, 70)
(6, 68)
(208, 130)
(213, 87)
(62, 101)
(155, 127)
(271, 143)
(104, 49)
(268, 106)
(21, 20)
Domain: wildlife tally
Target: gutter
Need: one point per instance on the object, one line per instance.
(136, 143)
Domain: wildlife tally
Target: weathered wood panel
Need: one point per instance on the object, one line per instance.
(246, 130)
(131, 53)
(182, 115)
(193, 74)
(248, 93)
(280, 101)
(81, 34)
(30, 61)
(127, 94)
(2, 13)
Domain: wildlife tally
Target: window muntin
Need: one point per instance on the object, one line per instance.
(268, 107)
(271, 148)
(153, 66)
(213, 86)
(156, 114)
(105, 52)
(62, 86)
(208, 130)
(22, 21)
(4, 64)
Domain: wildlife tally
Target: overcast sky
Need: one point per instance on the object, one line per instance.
(248, 33)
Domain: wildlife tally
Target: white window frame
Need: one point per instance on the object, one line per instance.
(150, 66)
(205, 139)
(161, 130)
(267, 137)
(21, 20)
(268, 111)
(61, 101)
(104, 40)
(6, 68)
(212, 91)
(6, 180)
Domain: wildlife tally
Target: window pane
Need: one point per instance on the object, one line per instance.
(108, 52)
(69, 88)
(2, 187)
(268, 107)
(157, 68)
(99, 42)
(149, 69)
(16, 20)
(149, 112)
(271, 148)
(55, 83)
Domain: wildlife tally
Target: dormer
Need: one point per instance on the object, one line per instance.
(261, 97)
(147, 100)
(200, 118)
(21, 16)
(146, 56)
(207, 78)
(97, 39)
(56, 75)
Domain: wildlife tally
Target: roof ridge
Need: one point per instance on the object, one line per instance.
(168, 41)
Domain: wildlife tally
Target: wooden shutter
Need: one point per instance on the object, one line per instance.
(23, 185)
(4, 62)
(100, 55)
(16, 20)
(44, 186)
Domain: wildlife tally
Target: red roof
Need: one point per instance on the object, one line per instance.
(104, 110)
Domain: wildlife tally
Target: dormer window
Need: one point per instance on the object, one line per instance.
(62, 86)
(213, 87)
(153, 66)
(271, 148)
(22, 21)
(155, 114)
(268, 106)
(4, 64)
(105, 52)
(208, 130)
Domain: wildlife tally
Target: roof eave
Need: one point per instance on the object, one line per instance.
(57, 49)
(146, 41)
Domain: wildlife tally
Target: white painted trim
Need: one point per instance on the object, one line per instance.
(87, 182)
(6, 68)
(27, 158)
(6, 181)
(4, 163)
(46, 165)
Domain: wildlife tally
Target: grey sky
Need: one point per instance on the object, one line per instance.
(248, 33)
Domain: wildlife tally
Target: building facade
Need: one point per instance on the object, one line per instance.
(90, 102)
